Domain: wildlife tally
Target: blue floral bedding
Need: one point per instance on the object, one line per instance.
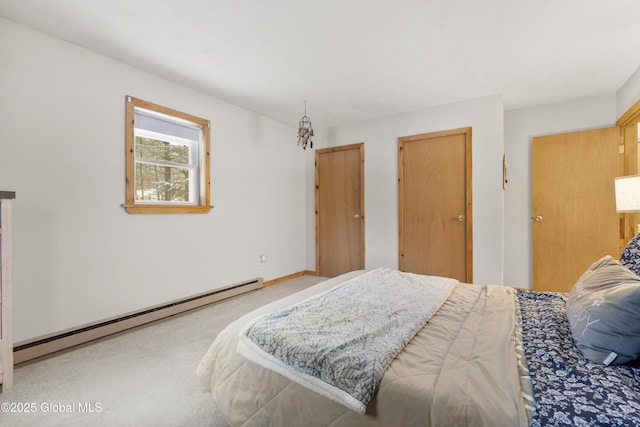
(568, 389)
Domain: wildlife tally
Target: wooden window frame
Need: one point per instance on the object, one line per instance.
(204, 202)
(628, 124)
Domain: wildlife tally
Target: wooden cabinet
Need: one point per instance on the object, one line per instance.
(6, 336)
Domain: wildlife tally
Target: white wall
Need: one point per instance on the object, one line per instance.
(380, 137)
(78, 257)
(520, 126)
(628, 94)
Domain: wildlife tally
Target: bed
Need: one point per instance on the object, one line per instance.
(483, 355)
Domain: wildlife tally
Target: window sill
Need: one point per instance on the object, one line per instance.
(167, 209)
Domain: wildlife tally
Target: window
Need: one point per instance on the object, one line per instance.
(167, 160)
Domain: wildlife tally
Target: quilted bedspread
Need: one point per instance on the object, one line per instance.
(460, 369)
(340, 342)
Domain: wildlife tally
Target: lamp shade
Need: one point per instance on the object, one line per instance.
(628, 193)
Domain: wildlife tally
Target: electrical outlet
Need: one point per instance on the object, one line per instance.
(262, 259)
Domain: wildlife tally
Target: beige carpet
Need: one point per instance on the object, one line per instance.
(144, 377)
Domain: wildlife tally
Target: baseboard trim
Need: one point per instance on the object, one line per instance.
(289, 277)
(47, 344)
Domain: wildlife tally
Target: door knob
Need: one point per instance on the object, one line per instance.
(460, 218)
(537, 218)
(357, 216)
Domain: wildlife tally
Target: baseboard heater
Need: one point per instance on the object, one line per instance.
(44, 345)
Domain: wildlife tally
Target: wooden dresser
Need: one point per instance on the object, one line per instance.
(6, 336)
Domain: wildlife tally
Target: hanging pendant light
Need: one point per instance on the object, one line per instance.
(305, 131)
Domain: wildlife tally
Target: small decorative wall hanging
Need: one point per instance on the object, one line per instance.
(305, 131)
(504, 171)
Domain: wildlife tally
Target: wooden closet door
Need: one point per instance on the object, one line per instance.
(574, 217)
(339, 209)
(434, 204)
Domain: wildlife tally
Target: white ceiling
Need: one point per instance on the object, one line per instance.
(357, 59)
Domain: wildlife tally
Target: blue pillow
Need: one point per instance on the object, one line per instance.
(603, 309)
(631, 255)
